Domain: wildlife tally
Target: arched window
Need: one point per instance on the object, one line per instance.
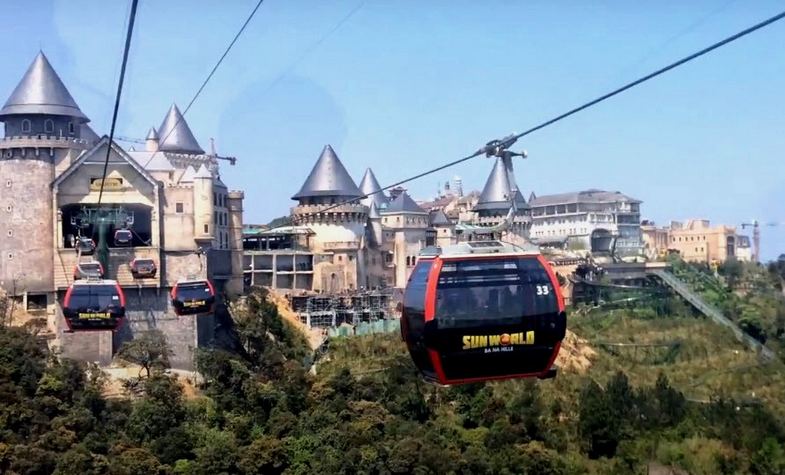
(49, 126)
(71, 128)
(26, 125)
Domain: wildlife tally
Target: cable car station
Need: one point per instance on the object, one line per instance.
(78, 241)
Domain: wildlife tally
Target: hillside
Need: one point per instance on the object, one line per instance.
(365, 410)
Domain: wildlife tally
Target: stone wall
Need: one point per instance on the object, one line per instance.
(26, 225)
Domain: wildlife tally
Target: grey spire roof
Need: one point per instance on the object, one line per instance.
(369, 185)
(188, 175)
(152, 161)
(328, 178)
(496, 193)
(152, 134)
(404, 204)
(176, 135)
(373, 213)
(89, 134)
(438, 218)
(41, 92)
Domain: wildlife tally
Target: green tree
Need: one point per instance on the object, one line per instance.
(148, 350)
(265, 455)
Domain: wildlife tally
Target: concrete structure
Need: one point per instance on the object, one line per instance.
(52, 165)
(697, 241)
(589, 220)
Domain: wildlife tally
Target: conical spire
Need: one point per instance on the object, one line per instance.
(175, 134)
(496, 193)
(373, 213)
(41, 92)
(203, 172)
(369, 185)
(152, 134)
(328, 178)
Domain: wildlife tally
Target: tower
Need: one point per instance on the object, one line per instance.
(43, 127)
(203, 206)
(495, 201)
(339, 231)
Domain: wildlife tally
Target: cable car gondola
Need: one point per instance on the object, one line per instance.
(94, 305)
(143, 268)
(481, 311)
(85, 246)
(86, 270)
(123, 237)
(191, 297)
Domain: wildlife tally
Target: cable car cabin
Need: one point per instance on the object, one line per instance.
(87, 270)
(85, 246)
(94, 305)
(481, 311)
(192, 297)
(123, 238)
(143, 268)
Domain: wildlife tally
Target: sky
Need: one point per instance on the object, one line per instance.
(402, 86)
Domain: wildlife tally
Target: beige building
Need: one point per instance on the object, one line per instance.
(696, 241)
(169, 195)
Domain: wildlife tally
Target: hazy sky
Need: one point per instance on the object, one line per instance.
(406, 85)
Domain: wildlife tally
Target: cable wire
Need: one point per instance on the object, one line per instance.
(126, 49)
(208, 78)
(507, 141)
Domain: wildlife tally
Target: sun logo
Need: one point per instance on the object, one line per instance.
(505, 339)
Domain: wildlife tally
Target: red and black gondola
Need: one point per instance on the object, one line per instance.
(87, 270)
(143, 268)
(192, 297)
(94, 305)
(481, 311)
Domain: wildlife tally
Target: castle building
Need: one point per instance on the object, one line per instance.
(588, 220)
(696, 240)
(170, 195)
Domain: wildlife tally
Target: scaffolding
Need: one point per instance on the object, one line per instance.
(333, 310)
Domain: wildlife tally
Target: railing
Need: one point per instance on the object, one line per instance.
(341, 245)
(41, 141)
(119, 266)
(697, 301)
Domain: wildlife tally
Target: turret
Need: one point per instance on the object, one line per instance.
(203, 206)
(151, 142)
(375, 222)
(370, 187)
(43, 126)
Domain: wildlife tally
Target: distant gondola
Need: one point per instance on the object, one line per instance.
(143, 268)
(85, 246)
(94, 305)
(123, 238)
(192, 297)
(481, 311)
(85, 270)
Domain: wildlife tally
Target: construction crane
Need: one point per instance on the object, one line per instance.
(213, 153)
(755, 225)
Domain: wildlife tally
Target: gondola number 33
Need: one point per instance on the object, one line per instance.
(543, 289)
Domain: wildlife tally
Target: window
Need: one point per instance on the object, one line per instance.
(206, 228)
(340, 258)
(49, 126)
(178, 207)
(71, 128)
(351, 258)
(26, 125)
(215, 217)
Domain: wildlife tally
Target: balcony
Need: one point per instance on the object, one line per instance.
(119, 266)
(341, 245)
